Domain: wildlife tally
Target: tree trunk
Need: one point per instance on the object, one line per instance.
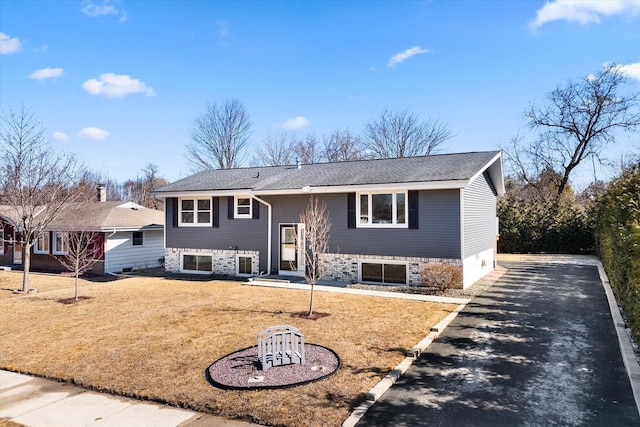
(311, 303)
(77, 274)
(26, 265)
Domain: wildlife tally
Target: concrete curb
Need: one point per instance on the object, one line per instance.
(380, 389)
(628, 355)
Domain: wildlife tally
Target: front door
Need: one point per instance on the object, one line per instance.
(291, 249)
(17, 248)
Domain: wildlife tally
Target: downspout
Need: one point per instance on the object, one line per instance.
(269, 220)
(106, 253)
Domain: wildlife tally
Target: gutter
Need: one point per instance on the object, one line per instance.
(269, 221)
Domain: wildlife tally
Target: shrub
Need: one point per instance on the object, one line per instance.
(618, 242)
(441, 276)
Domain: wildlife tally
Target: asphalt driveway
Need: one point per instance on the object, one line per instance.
(538, 348)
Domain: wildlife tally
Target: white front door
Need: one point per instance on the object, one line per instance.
(17, 248)
(291, 249)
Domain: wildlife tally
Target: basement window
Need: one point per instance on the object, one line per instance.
(244, 265)
(383, 272)
(192, 263)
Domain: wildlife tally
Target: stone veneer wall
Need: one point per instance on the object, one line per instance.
(344, 267)
(223, 261)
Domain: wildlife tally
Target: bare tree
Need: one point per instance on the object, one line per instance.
(150, 181)
(579, 121)
(219, 137)
(83, 249)
(316, 237)
(38, 182)
(276, 151)
(403, 134)
(343, 146)
(307, 151)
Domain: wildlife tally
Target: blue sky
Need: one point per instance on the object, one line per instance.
(120, 83)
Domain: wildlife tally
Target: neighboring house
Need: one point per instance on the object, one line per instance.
(388, 217)
(131, 236)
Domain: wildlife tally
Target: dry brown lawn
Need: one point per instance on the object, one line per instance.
(12, 280)
(153, 338)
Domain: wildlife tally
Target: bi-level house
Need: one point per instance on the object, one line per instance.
(388, 217)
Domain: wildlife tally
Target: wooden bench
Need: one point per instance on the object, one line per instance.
(280, 345)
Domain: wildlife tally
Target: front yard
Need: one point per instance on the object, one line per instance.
(153, 338)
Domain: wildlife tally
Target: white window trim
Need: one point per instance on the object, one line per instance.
(2, 242)
(132, 239)
(238, 265)
(182, 269)
(235, 207)
(383, 261)
(195, 222)
(65, 242)
(36, 246)
(394, 209)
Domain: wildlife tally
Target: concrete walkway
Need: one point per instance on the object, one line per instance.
(538, 348)
(36, 402)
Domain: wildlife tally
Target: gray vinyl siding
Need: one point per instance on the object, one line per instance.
(479, 216)
(245, 234)
(438, 235)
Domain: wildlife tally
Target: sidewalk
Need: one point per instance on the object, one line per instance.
(36, 402)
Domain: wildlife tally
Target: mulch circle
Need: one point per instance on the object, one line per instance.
(72, 300)
(305, 315)
(241, 370)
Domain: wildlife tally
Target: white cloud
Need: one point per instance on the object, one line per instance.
(630, 70)
(96, 8)
(295, 123)
(42, 49)
(93, 133)
(583, 11)
(46, 73)
(9, 45)
(224, 29)
(403, 56)
(60, 136)
(116, 86)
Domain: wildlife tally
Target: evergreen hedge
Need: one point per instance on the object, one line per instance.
(618, 242)
(530, 225)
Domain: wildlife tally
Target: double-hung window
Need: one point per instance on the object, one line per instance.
(195, 212)
(60, 241)
(137, 238)
(382, 209)
(42, 243)
(243, 207)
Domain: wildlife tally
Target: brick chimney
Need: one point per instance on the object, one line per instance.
(102, 193)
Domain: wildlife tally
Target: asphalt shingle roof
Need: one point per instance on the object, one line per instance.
(99, 215)
(442, 167)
